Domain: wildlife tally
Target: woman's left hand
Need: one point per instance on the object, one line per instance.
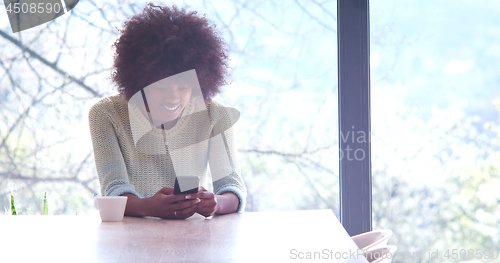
(208, 205)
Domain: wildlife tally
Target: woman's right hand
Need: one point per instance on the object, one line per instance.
(165, 204)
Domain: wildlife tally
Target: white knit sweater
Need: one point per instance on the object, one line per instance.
(131, 156)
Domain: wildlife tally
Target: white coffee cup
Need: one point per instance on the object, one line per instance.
(111, 208)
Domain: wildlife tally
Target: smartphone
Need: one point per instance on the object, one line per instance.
(186, 184)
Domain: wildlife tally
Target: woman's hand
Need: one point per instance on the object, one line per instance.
(208, 205)
(211, 204)
(164, 204)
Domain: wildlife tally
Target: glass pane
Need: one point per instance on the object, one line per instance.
(284, 84)
(284, 76)
(436, 128)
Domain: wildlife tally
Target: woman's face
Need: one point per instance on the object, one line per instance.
(166, 101)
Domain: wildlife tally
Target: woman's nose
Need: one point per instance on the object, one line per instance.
(172, 95)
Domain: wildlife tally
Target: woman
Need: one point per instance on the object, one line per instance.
(169, 63)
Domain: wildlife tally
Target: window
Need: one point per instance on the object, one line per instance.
(284, 84)
(435, 119)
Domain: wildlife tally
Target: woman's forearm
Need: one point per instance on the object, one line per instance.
(135, 206)
(227, 203)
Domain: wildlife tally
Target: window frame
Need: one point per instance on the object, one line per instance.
(353, 43)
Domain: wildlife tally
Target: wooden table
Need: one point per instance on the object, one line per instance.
(245, 237)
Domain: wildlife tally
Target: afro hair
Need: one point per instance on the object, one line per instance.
(164, 41)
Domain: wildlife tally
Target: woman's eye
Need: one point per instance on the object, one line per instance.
(183, 88)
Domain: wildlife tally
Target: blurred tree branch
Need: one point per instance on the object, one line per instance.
(49, 64)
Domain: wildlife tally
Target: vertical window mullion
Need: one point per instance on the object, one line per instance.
(353, 38)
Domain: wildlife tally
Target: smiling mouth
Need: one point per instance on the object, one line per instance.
(172, 108)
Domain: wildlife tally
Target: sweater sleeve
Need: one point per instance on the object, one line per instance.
(223, 158)
(109, 160)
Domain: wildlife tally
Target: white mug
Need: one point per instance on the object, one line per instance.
(111, 208)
